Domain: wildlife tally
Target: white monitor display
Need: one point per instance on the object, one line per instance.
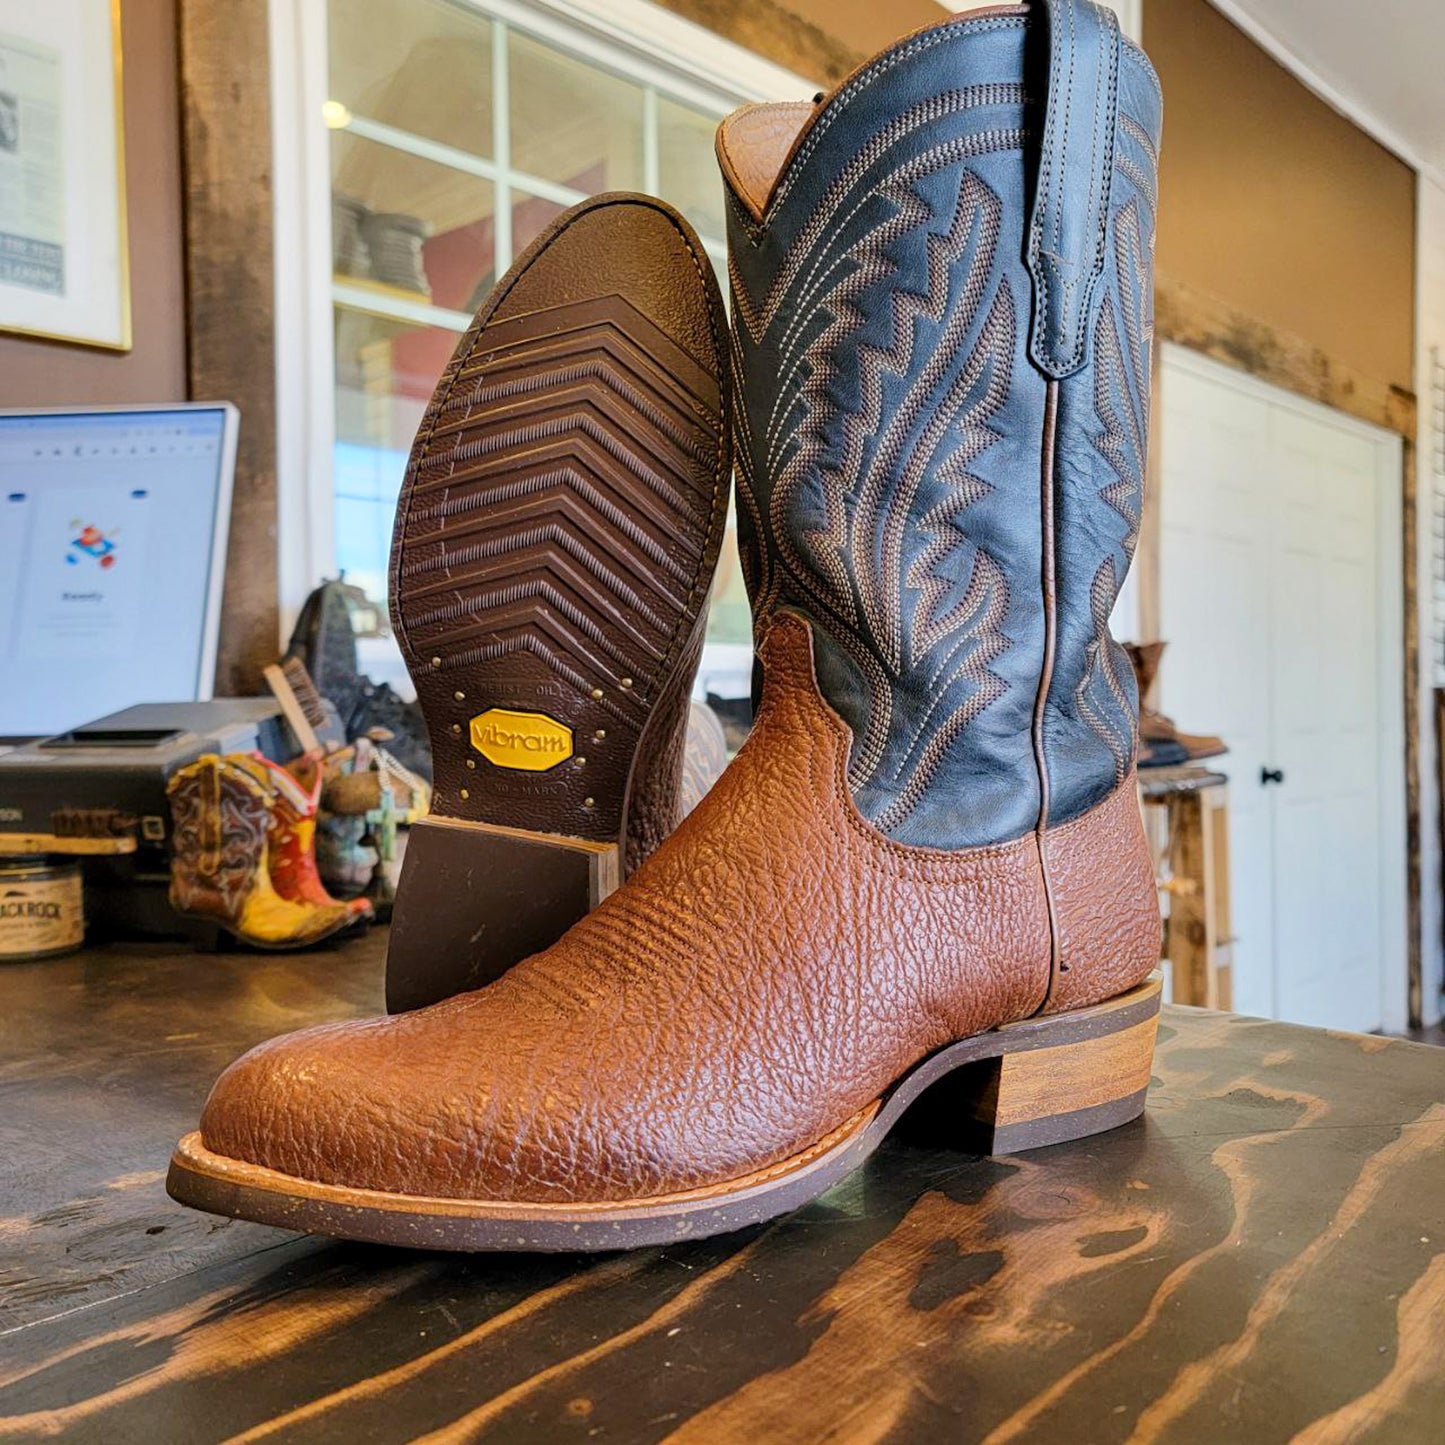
(113, 528)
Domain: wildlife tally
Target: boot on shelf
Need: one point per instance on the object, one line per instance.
(295, 797)
(220, 866)
(927, 863)
(1161, 744)
(556, 535)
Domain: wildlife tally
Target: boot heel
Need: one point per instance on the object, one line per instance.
(1042, 1081)
(1071, 1075)
(475, 898)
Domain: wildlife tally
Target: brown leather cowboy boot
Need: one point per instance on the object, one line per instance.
(556, 535)
(927, 865)
(1160, 742)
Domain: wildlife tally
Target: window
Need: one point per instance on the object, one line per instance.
(455, 137)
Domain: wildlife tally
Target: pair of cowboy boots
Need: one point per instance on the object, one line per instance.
(925, 870)
(243, 854)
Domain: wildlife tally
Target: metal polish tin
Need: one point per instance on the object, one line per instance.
(42, 910)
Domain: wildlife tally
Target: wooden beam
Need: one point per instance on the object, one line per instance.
(1410, 641)
(1147, 552)
(772, 30)
(230, 306)
(1203, 323)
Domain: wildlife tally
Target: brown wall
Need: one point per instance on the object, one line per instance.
(40, 373)
(866, 25)
(1276, 205)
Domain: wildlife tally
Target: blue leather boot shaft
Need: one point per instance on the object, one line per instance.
(1091, 719)
(926, 269)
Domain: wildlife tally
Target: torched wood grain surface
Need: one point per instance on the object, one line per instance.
(1262, 1258)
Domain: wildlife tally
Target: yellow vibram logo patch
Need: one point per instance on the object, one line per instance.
(528, 742)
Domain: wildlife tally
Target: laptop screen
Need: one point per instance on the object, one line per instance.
(112, 550)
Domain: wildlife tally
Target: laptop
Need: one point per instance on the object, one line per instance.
(113, 527)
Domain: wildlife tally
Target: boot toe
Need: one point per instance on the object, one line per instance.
(360, 1105)
(296, 1104)
(418, 1104)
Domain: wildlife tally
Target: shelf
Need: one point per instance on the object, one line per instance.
(26, 845)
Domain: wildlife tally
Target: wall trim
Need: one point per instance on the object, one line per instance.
(664, 37)
(1202, 322)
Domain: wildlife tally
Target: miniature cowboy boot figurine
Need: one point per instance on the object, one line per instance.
(220, 864)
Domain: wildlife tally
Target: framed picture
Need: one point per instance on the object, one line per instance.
(64, 257)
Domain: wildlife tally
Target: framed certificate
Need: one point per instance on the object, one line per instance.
(64, 257)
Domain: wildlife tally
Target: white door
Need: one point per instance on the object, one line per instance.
(1280, 599)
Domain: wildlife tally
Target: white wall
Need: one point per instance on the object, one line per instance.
(1131, 16)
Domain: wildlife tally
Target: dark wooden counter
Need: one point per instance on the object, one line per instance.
(1262, 1258)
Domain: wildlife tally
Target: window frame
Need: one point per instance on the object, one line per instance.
(634, 39)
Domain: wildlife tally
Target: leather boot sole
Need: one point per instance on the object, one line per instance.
(557, 531)
(1041, 1081)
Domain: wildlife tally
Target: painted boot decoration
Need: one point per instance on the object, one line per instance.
(220, 865)
(295, 796)
(927, 864)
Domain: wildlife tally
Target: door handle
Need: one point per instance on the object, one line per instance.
(1270, 775)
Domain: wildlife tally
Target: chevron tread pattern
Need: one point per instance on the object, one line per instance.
(557, 531)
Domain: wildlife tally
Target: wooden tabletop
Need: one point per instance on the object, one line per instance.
(1261, 1258)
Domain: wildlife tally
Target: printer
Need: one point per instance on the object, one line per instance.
(121, 764)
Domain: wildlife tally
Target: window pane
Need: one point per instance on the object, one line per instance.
(424, 66)
(687, 173)
(411, 225)
(530, 217)
(730, 617)
(385, 372)
(571, 123)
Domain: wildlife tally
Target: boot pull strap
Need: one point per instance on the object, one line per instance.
(1071, 196)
